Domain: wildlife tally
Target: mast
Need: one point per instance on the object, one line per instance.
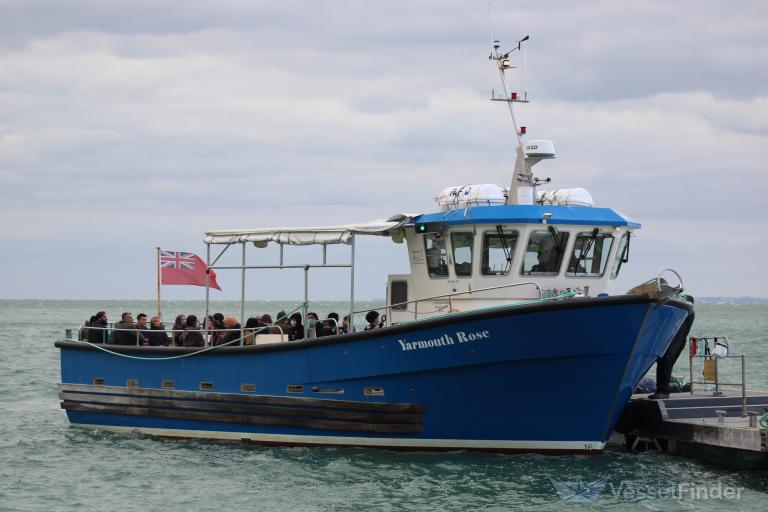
(522, 189)
(157, 257)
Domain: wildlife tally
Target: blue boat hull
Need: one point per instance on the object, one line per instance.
(551, 377)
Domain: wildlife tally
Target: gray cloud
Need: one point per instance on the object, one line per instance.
(145, 124)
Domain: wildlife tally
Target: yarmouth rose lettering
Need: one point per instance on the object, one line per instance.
(444, 340)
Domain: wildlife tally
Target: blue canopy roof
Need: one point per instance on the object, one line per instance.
(530, 214)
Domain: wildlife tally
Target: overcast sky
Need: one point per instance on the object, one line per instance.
(128, 125)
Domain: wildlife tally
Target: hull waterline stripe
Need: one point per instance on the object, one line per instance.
(459, 444)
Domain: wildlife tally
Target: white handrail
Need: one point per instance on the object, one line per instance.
(451, 295)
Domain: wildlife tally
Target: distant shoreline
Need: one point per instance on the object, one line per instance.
(732, 300)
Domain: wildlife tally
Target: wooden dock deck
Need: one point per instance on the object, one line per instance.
(711, 428)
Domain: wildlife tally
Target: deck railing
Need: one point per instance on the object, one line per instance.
(206, 332)
(450, 297)
(106, 336)
(713, 361)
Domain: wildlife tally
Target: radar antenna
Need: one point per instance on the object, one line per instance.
(523, 177)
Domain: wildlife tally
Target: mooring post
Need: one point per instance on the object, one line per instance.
(691, 355)
(717, 379)
(743, 387)
(306, 293)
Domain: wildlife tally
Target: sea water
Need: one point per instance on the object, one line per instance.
(45, 465)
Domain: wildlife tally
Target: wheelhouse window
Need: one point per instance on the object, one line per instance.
(544, 253)
(590, 254)
(498, 250)
(622, 255)
(436, 255)
(461, 243)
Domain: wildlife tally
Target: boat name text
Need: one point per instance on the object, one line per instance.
(445, 339)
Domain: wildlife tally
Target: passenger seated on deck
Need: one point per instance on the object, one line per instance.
(296, 330)
(252, 328)
(82, 335)
(156, 333)
(99, 332)
(141, 325)
(312, 319)
(266, 321)
(217, 323)
(191, 337)
(232, 333)
(283, 324)
(178, 330)
(372, 317)
(345, 328)
(331, 324)
(125, 333)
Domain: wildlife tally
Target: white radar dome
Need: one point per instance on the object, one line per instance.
(540, 149)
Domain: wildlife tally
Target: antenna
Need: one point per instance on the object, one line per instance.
(490, 21)
(522, 175)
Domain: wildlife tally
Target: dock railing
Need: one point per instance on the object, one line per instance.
(450, 297)
(710, 367)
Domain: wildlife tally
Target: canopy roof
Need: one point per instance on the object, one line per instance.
(531, 214)
(308, 235)
(506, 214)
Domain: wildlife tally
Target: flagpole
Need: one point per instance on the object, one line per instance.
(207, 287)
(158, 283)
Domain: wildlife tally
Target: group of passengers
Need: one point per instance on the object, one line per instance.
(188, 331)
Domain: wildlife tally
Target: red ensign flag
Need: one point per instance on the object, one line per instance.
(184, 268)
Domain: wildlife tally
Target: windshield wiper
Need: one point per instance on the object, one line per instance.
(624, 254)
(504, 247)
(585, 250)
(557, 241)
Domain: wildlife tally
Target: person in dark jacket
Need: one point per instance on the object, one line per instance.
(98, 335)
(156, 334)
(125, 332)
(252, 329)
(372, 317)
(331, 324)
(82, 335)
(191, 337)
(345, 327)
(217, 323)
(232, 337)
(283, 324)
(178, 329)
(296, 330)
(143, 326)
(667, 361)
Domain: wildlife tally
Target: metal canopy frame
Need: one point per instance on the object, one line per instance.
(211, 265)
